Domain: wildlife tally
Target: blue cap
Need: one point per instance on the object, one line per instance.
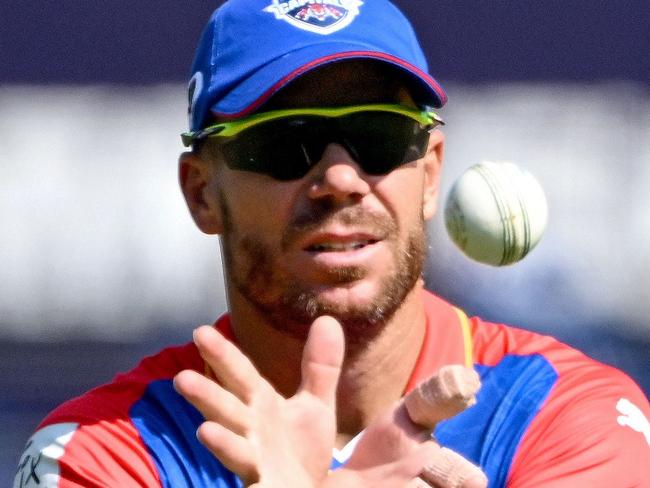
(250, 49)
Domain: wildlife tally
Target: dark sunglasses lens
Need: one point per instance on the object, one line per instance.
(383, 141)
(286, 149)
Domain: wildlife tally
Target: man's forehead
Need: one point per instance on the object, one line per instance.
(348, 82)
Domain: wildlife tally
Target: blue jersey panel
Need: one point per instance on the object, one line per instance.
(512, 393)
(167, 424)
(488, 433)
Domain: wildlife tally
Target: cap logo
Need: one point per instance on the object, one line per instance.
(318, 16)
(194, 89)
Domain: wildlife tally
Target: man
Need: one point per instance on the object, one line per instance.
(316, 158)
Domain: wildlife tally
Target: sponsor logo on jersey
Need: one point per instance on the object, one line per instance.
(632, 416)
(319, 16)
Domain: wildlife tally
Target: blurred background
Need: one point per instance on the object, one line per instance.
(100, 263)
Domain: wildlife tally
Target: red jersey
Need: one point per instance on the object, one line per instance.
(546, 415)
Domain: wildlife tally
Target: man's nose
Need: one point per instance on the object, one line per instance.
(338, 176)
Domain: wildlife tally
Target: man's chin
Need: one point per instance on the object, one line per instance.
(357, 295)
(361, 313)
(359, 324)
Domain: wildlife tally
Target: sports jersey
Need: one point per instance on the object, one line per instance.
(546, 415)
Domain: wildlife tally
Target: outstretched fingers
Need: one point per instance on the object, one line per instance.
(252, 429)
(230, 366)
(213, 401)
(231, 449)
(225, 400)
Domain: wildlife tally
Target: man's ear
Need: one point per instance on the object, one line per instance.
(432, 170)
(198, 183)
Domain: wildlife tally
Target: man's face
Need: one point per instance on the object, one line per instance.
(337, 241)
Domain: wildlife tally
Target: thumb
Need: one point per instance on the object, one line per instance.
(322, 359)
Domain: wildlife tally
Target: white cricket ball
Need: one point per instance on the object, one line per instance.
(496, 213)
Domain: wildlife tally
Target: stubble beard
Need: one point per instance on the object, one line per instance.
(254, 270)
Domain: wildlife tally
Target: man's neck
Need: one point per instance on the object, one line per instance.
(374, 375)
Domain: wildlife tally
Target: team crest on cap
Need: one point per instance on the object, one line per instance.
(194, 89)
(319, 16)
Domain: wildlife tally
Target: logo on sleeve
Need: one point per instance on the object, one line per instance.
(39, 464)
(632, 416)
(319, 16)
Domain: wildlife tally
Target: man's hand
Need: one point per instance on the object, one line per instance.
(406, 430)
(254, 431)
(273, 442)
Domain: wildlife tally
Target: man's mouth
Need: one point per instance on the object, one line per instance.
(340, 246)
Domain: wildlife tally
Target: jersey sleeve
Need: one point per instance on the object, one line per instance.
(593, 431)
(69, 454)
(135, 431)
(93, 440)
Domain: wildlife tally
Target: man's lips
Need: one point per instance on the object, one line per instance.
(324, 253)
(338, 242)
(339, 246)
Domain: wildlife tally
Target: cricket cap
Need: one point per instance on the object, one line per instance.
(250, 49)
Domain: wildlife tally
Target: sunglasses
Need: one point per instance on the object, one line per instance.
(286, 144)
